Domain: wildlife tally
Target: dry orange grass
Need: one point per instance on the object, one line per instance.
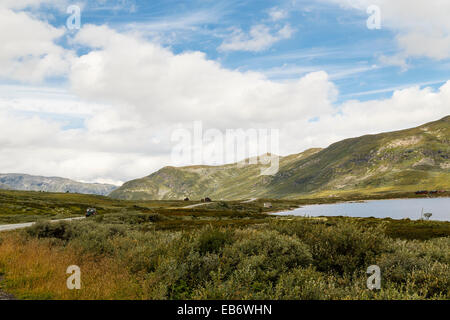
(36, 269)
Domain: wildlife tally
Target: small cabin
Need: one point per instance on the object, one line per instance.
(267, 205)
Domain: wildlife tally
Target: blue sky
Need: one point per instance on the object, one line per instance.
(325, 37)
(101, 103)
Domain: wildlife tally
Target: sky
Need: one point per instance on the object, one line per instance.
(99, 101)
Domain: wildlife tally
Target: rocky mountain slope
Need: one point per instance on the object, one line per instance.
(406, 160)
(14, 181)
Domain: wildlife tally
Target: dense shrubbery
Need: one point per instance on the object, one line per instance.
(87, 236)
(341, 247)
(301, 259)
(213, 240)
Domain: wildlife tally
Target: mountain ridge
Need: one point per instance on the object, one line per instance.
(403, 160)
(27, 182)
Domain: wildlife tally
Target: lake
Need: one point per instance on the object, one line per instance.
(395, 209)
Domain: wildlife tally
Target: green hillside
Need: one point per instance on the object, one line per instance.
(407, 160)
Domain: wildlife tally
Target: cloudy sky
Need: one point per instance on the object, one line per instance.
(100, 103)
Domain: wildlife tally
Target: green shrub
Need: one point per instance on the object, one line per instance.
(397, 266)
(129, 218)
(213, 240)
(45, 229)
(302, 284)
(280, 251)
(88, 236)
(251, 266)
(420, 267)
(431, 282)
(342, 247)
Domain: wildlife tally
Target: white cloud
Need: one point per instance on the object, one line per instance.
(131, 94)
(398, 60)
(334, 71)
(260, 37)
(420, 106)
(423, 27)
(106, 148)
(153, 82)
(185, 21)
(22, 4)
(28, 52)
(406, 108)
(276, 14)
(422, 44)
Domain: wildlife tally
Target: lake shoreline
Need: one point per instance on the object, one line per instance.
(398, 209)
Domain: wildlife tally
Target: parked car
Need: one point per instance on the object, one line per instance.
(91, 212)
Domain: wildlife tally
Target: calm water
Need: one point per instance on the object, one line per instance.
(395, 209)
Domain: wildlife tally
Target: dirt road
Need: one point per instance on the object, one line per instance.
(9, 227)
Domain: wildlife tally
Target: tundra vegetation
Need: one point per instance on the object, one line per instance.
(222, 250)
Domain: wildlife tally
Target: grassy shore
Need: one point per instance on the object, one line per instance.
(223, 250)
(27, 206)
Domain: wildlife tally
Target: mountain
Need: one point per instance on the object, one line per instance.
(14, 181)
(4, 186)
(406, 160)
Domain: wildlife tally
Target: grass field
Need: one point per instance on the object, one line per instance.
(222, 250)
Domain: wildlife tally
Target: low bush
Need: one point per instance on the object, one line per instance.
(342, 247)
(299, 259)
(303, 284)
(86, 235)
(213, 240)
(46, 229)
